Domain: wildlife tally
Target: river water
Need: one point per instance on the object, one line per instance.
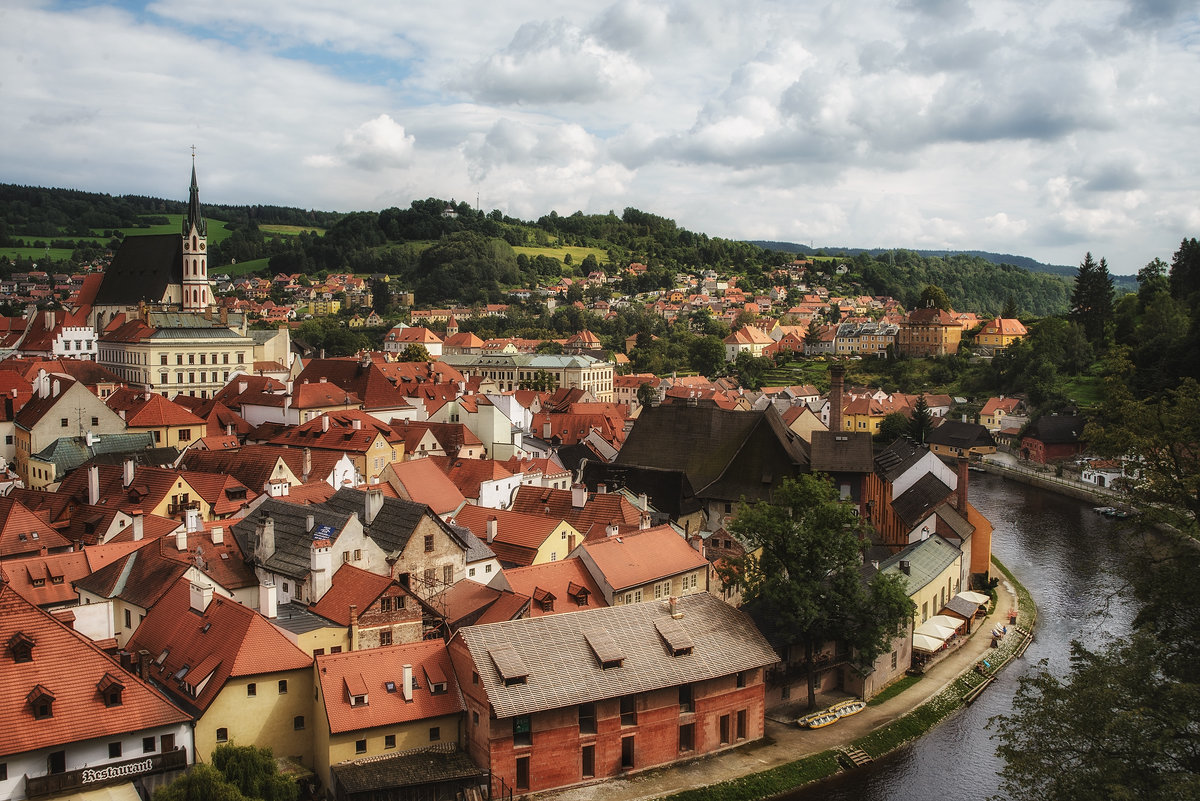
(1069, 559)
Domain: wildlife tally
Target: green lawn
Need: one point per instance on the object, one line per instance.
(57, 254)
(218, 231)
(242, 267)
(1086, 390)
(289, 230)
(577, 254)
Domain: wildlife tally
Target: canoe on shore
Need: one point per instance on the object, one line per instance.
(847, 708)
(817, 719)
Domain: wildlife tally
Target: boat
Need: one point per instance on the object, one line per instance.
(1107, 511)
(817, 720)
(847, 708)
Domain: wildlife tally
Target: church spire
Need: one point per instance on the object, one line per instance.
(194, 216)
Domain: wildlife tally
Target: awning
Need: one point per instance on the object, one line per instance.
(935, 630)
(923, 642)
(946, 620)
(117, 792)
(974, 597)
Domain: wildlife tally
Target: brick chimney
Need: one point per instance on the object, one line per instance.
(837, 376)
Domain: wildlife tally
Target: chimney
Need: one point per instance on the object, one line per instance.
(264, 547)
(406, 682)
(374, 502)
(601, 489)
(547, 430)
(306, 470)
(612, 530)
(644, 521)
(905, 567)
(309, 522)
(56, 387)
(43, 380)
(357, 424)
(218, 535)
(127, 473)
(837, 374)
(320, 565)
(143, 664)
(93, 484)
(201, 596)
(229, 430)
(268, 600)
(961, 489)
(191, 519)
(643, 502)
(353, 627)
(181, 540)
(139, 524)
(675, 613)
(324, 422)
(578, 496)
(491, 529)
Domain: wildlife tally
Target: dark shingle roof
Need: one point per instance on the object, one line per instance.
(394, 523)
(957, 434)
(842, 451)
(427, 766)
(142, 269)
(920, 498)
(1057, 429)
(293, 540)
(893, 460)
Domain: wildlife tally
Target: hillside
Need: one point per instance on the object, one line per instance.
(449, 252)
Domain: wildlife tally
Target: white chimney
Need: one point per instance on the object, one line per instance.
(406, 682)
(192, 520)
(218, 535)
(201, 596)
(491, 529)
(612, 530)
(43, 380)
(268, 600)
(374, 502)
(127, 471)
(181, 540)
(93, 484)
(578, 496)
(357, 424)
(643, 502)
(309, 522)
(325, 422)
(56, 387)
(139, 524)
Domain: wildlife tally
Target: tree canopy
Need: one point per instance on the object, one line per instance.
(801, 577)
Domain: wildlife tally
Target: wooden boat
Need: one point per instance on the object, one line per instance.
(847, 708)
(817, 720)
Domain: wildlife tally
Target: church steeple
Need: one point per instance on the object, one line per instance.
(196, 291)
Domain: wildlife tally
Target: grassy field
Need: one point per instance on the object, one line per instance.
(577, 254)
(1086, 390)
(218, 232)
(289, 230)
(57, 254)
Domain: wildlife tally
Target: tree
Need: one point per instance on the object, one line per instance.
(922, 420)
(707, 356)
(646, 394)
(414, 352)
(801, 576)
(1092, 300)
(812, 335)
(1121, 724)
(200, 781)
(893, 427)
(933, 296)
(1010, 308)
(237, 773)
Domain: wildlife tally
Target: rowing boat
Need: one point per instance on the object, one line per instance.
(817, 719)
(847, 708)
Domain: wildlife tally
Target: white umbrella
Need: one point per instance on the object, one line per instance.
(931, 629)
(923, 642)
(946, 620)
(974, 597)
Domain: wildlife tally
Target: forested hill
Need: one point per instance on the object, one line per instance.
(450, 252)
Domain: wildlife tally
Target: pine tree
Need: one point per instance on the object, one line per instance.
(1092, 300)
(922, 420)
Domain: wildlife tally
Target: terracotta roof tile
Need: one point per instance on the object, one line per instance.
(650, 555)
(567, 580)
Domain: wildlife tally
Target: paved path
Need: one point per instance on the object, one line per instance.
(786, 742)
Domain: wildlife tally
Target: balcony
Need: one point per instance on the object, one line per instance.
(178, 507)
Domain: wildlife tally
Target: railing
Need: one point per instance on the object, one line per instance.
(175, 507)
(1084, 486)
(102, 775)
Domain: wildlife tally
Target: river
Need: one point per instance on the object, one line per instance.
(1067, 556)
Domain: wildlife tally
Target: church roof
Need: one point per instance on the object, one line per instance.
(141, 271)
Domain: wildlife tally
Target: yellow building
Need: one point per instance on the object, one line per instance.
(247, 683)
(932, 570)
(510, 371)
(381, 701)
(999, 333)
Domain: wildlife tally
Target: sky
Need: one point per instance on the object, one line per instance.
(1042, 129)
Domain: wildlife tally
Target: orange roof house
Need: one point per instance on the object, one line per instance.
(1000, 332)
(556, 587)
(227, 665)
(588, 513)
(58, 689)
(520, 538)
(648, 565)
(24, 532)
(376, 610)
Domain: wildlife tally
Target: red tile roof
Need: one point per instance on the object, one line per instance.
(636, 559)
(25, 532)
(602, 508)
(46, 580)
(351, 585)
(518, 534)
(421, 480)
(225, 640)
(150, 410)
(567, 580)
(468, 474)
(369, 671)
(70, 667)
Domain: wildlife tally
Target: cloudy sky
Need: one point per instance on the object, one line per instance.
(1044, 129)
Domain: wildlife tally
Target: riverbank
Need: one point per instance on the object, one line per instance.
(789, 757)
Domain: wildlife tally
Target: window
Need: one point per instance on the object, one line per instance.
(3, 771)
(56, 762)
(191, 358)
(741, 678)
(360, 746)
(114, 750)
(283, 686)
(662, 589)
(95, 421)
(627, 755)
(587, 718)
(447, 574)
(222, 735)
(389, 741)
(178, 358)
(474, 677)
(428, 543)
(487, 568)
(685, 698)
(251, 689)
(385, 604)
(522, 730)
(63, 422)
(318, 652)
(589, 761)
(385, 638)
(337, 649)
(298, 723)
(470, 570)
(435, 733)
(893, 660)
(147, 745)
(741, 724)
(629, 710)
(185, 435)
(475, 718)
(724, 726)
(687, 737)
(128, 620)
(523, 773)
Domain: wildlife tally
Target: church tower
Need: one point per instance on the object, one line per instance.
(196, 295)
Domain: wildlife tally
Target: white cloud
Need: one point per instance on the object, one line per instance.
(377, 144)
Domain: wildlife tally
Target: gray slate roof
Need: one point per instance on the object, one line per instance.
(957, 434)
(920, 498)
(563, 670)
(67, 453)
(394, 523)
(293, 540)
(842, 452)
(926, 558)
(893, 460)
(141, 270)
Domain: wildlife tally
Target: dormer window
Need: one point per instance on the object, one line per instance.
(20, 645)
(111, 688)
(41, 702)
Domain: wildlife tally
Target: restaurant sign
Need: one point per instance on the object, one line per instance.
(36, 786)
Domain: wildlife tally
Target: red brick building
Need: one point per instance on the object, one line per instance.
(560, 700)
